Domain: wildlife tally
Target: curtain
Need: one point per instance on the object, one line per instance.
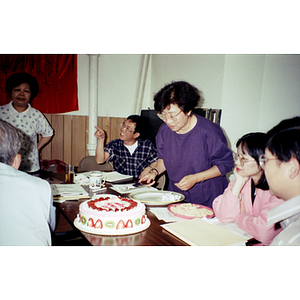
(56, 75)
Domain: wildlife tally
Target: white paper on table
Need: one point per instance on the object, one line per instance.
(197, 232)
(81, 179)
(115, 176)
(233, 227)
(162, 213)
(68, 190)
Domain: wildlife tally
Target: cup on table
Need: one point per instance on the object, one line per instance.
(70, 174)
(97, 180)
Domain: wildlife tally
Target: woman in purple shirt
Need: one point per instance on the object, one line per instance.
(192, 149)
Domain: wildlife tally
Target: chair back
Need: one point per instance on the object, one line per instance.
(89, 163)
(151, 124)
(209, 113)
(161, 182)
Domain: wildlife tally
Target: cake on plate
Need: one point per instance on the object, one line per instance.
(111, 215)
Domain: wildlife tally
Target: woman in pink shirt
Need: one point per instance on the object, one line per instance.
(247, 201)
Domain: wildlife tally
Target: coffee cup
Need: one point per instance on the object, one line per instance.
(97, 180)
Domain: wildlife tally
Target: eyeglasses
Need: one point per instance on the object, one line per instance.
(173, 117)
(125, 127)
(238, 158)
(263, 160)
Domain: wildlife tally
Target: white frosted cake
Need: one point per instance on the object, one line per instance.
(112, 215)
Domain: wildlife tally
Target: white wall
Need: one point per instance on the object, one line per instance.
(255, 92)
(118, 79)
(241, 95)
(206, 72)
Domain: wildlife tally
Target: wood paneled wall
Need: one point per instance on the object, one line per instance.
(70, 140)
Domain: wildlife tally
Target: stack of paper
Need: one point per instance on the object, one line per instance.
(197, 232)
(116, 177)
(63, 192)
(130, 187)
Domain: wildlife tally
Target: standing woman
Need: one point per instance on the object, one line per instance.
(193, 150)
(22, 88)
(247, 200)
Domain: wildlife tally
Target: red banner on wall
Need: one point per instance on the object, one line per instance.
(55, 73)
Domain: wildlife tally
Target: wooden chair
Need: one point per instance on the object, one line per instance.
(89, 163)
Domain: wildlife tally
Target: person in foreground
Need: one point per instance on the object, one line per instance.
(247, 200)
(130, 154)
(281, 163)
(27, 215)
(22, 89)
(193, 150)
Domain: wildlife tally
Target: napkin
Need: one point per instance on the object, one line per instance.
(81, 179)
(162, 213)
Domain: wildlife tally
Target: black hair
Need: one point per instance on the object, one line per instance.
(253, 144)
(284, 124)
(19, 78)
(185, 95)
(139, 123)
(285, 144)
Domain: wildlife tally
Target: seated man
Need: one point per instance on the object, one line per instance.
(130, 155)
(27, 215)
(281, 163)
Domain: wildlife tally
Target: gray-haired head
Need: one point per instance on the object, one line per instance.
(10, 142)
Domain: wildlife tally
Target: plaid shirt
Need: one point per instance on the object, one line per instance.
(128, 164)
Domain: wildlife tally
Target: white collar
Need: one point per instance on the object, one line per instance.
(13, 110)
(283, 211)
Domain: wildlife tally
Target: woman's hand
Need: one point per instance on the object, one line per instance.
(148, 179)
(99, 134)
(241, 179)
(187, 182)
(239, 183)
(145, 172)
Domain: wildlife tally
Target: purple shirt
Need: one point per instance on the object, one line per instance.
(200, 149)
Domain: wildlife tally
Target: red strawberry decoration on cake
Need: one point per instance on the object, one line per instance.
(121, 225)
(98, 224)
(129, 224)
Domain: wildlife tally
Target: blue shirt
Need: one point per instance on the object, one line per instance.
(128, 164)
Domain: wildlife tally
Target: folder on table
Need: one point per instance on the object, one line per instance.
(197, 232)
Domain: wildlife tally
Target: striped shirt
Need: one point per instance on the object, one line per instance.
(125, 163)
(288, 214)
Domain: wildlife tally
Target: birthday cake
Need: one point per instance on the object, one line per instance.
(112, 215)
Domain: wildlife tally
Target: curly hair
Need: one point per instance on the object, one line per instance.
(185, 95)
(19, 78)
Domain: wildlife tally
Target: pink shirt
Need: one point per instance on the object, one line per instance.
(227, 208)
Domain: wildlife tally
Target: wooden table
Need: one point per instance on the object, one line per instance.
(154, 235)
